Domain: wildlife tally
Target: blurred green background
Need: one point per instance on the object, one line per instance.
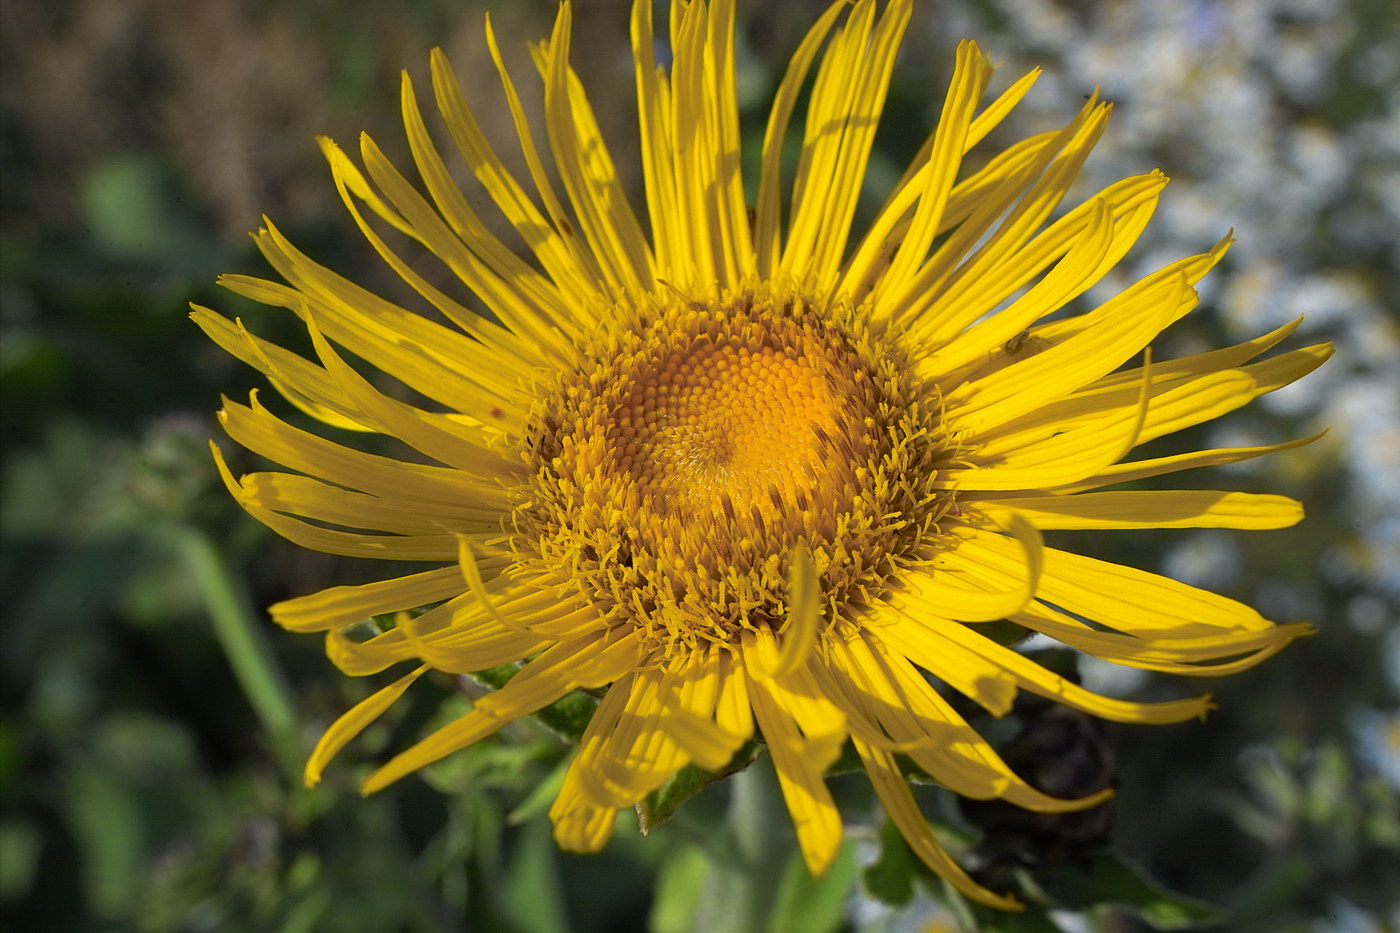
(150, 745)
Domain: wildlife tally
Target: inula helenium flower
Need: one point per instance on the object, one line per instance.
(743, 470)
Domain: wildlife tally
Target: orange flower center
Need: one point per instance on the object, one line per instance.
(734, 423)
(696, 445)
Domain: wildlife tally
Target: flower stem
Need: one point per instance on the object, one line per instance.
(740, 892)
(243, 643)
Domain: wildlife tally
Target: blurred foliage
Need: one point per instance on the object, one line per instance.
(154, 723)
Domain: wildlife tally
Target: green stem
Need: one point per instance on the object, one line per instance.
(237, 628)
(741, 891)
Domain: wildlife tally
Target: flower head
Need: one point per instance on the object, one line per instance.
(750, 472)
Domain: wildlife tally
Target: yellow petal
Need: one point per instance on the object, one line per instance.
(1148, 509)
(899, 803)
(352, 723)
(768, 209)
(969, 604)
(561, 668)
(800, 766)
(1157, 466)
(579, 825)
(342, 605)
(558, 259)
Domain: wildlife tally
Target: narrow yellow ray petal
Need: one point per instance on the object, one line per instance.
(1132, 601)
(472, 574)
(1052, 373)
(361, 659)
(732, 711)
(850, 94)
(768, 209)
(1176, 404)
(937, 644)
(533, 289)
(693, 149)
(353, 181)
(1193, 657)
(804, 612)
(724, 100)
(967, 672)
(464, 649)
(459, 637)
(310, 407)
(971, 71)
(1060, 161)
(968, 604)
(588, 175)
(691, 704)
(554, 209)
(401, 343)
(1070, 276)
(887, 231)
(658, 169)
(352, 723)
(390, 345)
(388, 547)
(1066, 458)
(428, 230)
(560, 262)
(641, 754)
(800, 766)
(1147, 509)
(1194, 268)
(525, 313)
(986, 121)
(1158, 466)
(861, 711)
(300, 382)
(313, 499)
(580, 826)
(547, 678)
(425, 431)
(1196, 363)
(342, 605)
(595, 739)
(967, 298)
(257, 429)
(899, 803)
(960, 758)
(828, 108)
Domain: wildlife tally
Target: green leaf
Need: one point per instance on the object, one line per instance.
(890, 879)
(1111, 878)
(661, 803)
(813, 905)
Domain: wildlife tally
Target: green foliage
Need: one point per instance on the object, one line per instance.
(661, 804)
(1107, 877)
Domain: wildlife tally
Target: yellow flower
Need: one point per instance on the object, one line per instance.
(754, 474)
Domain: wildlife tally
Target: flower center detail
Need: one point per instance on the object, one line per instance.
(694, 446)
(735, 422)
